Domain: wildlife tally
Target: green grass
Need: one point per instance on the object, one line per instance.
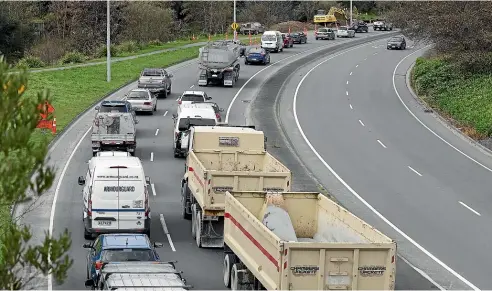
(466, 99)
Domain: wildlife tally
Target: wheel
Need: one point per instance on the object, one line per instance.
(87, 235)
(317, 38)
(147, 232)
(155, 107)
(169, 90)
(246, 62)
(151, 112)
(229, 261)
(193, 221)
(235, 278)
(198, 229)
(184, 191)
(163, 95)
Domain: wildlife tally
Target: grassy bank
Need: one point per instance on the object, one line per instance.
(465, 99)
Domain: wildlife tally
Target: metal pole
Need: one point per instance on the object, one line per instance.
(350, 12)
(108, 42)
(235, 32)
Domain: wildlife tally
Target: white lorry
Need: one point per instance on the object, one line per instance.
(302, 241)
(221, 159)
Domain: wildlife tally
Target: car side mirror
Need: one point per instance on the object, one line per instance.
(81, 180)
(136, 121)
(221, 110)
(209, 98)
(175, 116)
(147, 180)
(89, 283)
(97, 107)
(87, 245)
(171, 75)
(158, 245)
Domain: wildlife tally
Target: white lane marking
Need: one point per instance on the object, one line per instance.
(422, 273)
(469, 208)
(152, 156)
(351, 106)
(166, 231)
(346, 92)
(156, 131)
(420, 121)
(165, 113)
(153, 189)
(55, 197)
(381, 143)
(281, 60)
(361, 123)
(412, 241)
(365, 59)
(347, 82)
(356, 66)
(375, 53)
(350, 73)
(192, 86)
(177, 99)
(415, 171)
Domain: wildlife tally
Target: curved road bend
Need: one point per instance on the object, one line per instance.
(155, 151)
(431, 192)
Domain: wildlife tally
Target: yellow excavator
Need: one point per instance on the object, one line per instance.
(323, 18)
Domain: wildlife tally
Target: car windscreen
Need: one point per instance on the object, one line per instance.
(138, 95)
(295, 34)
(269, 37)
(127, 255)
(105, 108)
(185, 123)
(397, 39)
(322, 30)
(151, 73)
(342, 28)
(192, 97)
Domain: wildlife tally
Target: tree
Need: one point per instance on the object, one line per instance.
(14, 37)
(20, 156)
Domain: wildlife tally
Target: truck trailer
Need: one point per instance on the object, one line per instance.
(302, 241)
(218, 62)
(221, 159)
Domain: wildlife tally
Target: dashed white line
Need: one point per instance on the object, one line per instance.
(469, 208)
(375, 53)
(166, 231)
(192, 86)
(177, 99)
(350, 73)
(153, 189)
(365, 59)
(361, 123)
(347, 82)
(351, 106)
(152, 156)
(165, 113)
(356, 66)
(381, 143)
(415, 171)
(156, 131)
(346, 92)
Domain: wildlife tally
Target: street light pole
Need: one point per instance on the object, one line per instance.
(235, 32)
(350, 12)
(108, 42)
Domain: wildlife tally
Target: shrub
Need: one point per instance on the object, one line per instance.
(433, 76)
(31, 62)
(73, 57)
(155, 42)
(129, 46)
(101, 52)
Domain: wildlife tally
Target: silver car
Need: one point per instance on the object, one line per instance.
(142, 100)
(343, 31)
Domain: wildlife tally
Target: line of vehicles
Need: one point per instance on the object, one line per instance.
(237, 196)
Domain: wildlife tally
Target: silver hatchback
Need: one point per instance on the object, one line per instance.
(142, 100)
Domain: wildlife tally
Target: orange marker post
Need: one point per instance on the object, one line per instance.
(289, 29)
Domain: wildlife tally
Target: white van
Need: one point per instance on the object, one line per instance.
(188, 117)
(272, 41)
(116, 196)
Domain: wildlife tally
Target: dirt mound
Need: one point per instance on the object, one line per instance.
(294, 26)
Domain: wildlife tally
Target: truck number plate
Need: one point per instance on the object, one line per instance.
(104, 223)
(215, 76)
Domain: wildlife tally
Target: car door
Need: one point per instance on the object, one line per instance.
(94, 255)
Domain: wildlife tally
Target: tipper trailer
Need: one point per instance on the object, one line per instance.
(224, 159)
(218, 62)
(323, 245)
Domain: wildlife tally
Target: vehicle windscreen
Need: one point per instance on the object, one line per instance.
(342, 28)
(269, 37)
(295, 34)
(127, 255)
(185, 123)
(323, 30)
(192, 97)
(396, 39)
(151, 73)
(105, 108)
(255, 50)
(138, 95)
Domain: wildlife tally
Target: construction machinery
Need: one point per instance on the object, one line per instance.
(218, 62)
(335, 16)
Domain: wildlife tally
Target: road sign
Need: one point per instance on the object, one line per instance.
(234, 26)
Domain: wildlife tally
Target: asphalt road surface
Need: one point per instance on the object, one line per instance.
(431, 184)
(62, 206)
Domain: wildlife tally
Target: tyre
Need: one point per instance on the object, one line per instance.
(229, 261)
(169, 90)
(246, 62)
(193, 221)
(147, 232)
(198, 229)
(184, 194)
(317, 38)
(235, 285)
(155, 107)
(87, 235)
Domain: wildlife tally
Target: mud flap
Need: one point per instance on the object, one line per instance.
(212, 233)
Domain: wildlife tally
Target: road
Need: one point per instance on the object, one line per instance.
(62, 206)
(358, 139)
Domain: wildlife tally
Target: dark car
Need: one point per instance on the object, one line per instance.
(359, 26)
(325, 33)
(396, 42)
(299, 37)
(257, 55)
(216, 107)
(288, 41)
(119, 248)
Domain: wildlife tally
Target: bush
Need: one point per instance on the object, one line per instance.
(73, 57)
(31, 62)
(155, 42)
(129, 47)
(101, 52)
(433, 76)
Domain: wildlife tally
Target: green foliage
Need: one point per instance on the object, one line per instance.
(19, 157)
(73, 57)
(129, 46)
(155, 42)
(467, 98)
(31, 62)
(101, 52)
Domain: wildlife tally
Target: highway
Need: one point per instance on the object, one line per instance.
(405, 173)
(62, 207)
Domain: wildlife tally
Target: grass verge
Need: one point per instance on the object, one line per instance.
(464, 99)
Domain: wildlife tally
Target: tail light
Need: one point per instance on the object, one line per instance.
(98, 265)
(177, 135)
(147, 103)
(217, 115)
(179, 102)
(89, 208)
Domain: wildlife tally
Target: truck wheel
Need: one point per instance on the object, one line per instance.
(184, 195)
(147, 232)
(198, 229)
(235, 285)
(87, 235)
(193, 221)
(229, 260)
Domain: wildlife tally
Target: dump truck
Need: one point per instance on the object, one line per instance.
(225, 158)
(302, 241)
(218, 62)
